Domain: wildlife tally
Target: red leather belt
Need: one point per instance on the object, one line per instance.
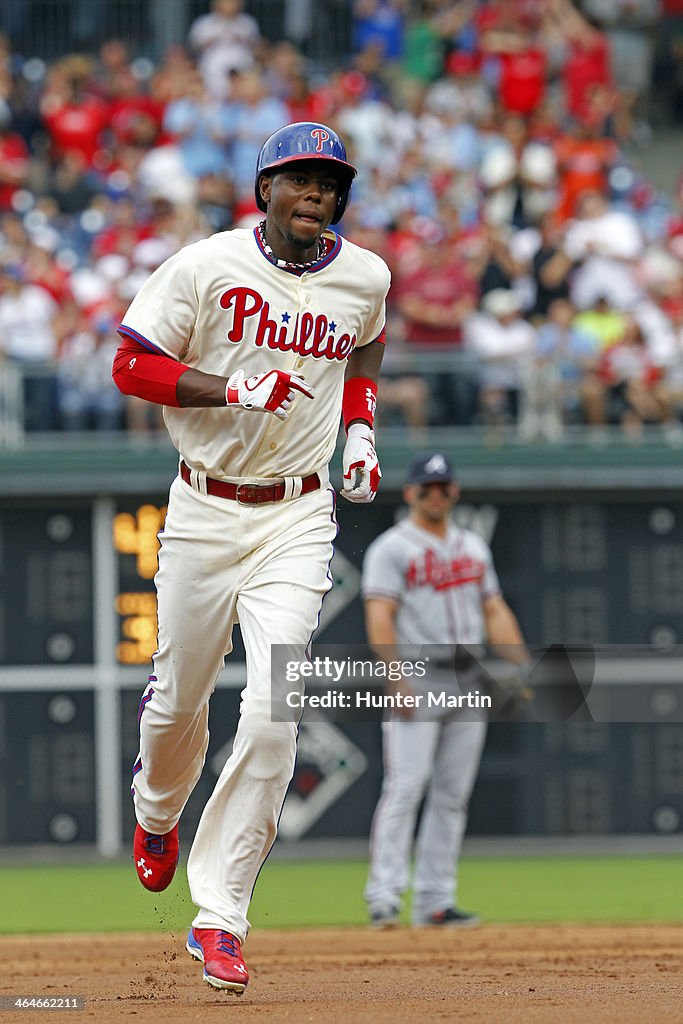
(250, 494)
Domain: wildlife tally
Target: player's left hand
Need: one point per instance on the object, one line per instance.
(360, 464)
(510, 691)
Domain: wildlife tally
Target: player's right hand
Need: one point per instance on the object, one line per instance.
(272, 391)
(401, 689)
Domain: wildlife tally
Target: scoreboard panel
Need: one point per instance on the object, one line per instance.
(46, 584)
(47, 782)
(592, 571)
(576, 573)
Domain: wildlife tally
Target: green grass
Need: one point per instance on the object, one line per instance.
(292, 894)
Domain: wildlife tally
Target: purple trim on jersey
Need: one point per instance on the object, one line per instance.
(146, 698)
(130, 333)
(332, 254)
(144, 701)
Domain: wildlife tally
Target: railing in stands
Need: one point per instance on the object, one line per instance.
(48, 29)
(11, 405)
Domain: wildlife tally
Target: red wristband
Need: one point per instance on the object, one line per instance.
(359, 401)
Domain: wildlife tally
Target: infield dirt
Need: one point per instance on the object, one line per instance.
(512, 974)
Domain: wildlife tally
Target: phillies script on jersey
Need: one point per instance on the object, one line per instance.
(220, 305)
(431, 571)
(305, 334)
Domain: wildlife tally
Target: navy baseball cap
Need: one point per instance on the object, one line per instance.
(434, 466)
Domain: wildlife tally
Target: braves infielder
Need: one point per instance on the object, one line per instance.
(427, 581)
(255, 342)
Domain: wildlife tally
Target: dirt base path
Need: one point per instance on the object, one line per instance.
(490, 975)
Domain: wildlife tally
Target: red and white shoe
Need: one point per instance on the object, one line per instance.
(156, 858)
(221, 955)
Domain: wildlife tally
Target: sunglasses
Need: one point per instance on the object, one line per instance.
(442, 485)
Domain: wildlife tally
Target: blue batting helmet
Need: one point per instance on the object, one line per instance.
(306, 140)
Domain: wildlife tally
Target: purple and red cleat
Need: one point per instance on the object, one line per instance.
(156, 858)
(221, 955)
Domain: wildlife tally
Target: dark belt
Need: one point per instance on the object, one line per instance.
(250, 494)
(459, 661)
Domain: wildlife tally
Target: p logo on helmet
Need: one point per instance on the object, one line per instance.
(322, 135)
(306, 140)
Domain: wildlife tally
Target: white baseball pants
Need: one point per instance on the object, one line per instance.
(442, 758)
(266, 567)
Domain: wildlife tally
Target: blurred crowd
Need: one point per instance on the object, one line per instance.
(537, 273)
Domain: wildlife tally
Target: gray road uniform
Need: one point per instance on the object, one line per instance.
(441, 585)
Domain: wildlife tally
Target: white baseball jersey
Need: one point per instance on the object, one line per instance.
(440, 584)
(220, 305)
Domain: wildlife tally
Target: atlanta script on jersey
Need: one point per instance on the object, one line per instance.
(441, 583)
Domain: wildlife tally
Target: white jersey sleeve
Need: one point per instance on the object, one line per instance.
(163, 314)
(383, 573)
(376, 269)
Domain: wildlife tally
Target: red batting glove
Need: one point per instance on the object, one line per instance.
(272, 391)
(360, 464)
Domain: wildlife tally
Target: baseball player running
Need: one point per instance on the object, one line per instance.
(428, 581)
(255, 343)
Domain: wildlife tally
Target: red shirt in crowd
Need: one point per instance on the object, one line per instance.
(76, 127)
(522, 80)
(120, 238)
(437, 289)
(583, 164)
(623, 362)
(585, 67)
(55, 280)
(14, 156)
(125, 110)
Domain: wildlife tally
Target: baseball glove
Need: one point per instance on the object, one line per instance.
(510, 691)
(553, 688)
(507, 684)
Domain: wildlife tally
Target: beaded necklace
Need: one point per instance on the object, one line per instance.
(290, 264)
